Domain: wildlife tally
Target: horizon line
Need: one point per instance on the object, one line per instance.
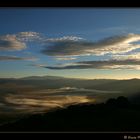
(69, 77)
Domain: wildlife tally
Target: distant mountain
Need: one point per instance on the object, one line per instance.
(127, 86)
(41, 82)
(41, 77)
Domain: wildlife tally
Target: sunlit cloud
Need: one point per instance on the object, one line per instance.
(71, 45)
(14, 42)
(34, 104)
(65, 58)
(10, 42)
(46, 99)
(133, 56)
(114, 45)
(120, 67)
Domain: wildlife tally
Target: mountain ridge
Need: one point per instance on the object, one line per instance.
(61, 77)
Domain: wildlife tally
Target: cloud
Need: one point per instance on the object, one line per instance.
(65, 58)
(38, 65)
(74, 91)
(27, 103)
(28, 36)
(114, 45)
(134, 56)
(71, 45)
(107, 64)
(42, 100)
(64, 38)
(119, 67)
(13, 58)
(17, 41)
(10, 42)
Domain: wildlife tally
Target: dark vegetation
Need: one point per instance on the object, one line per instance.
(114, 115)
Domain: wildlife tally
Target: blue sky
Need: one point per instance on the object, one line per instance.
(62, 41)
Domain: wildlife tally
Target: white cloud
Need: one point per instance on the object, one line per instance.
(28, 36)
(65, 58)
(64, 38)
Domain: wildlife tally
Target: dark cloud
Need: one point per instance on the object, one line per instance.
(13, 58)
(107, 64)
(114, 45)
(70, 45)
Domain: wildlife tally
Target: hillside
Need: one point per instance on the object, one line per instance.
(115, 115)
(42, 94)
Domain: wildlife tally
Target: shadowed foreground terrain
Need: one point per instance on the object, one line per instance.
(114, 115)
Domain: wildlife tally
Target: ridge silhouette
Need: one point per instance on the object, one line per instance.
(114, 115)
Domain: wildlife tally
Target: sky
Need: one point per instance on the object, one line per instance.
(70, 42)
